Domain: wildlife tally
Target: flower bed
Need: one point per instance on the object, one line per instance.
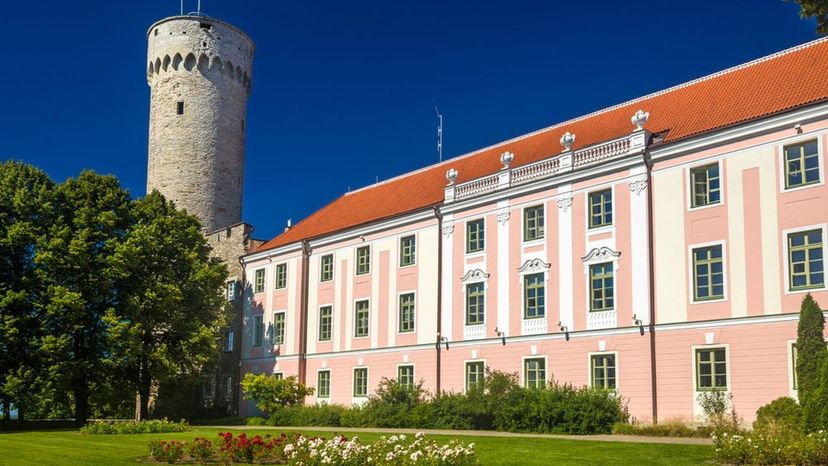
(155, 426)
(397, 450)
(775, 445)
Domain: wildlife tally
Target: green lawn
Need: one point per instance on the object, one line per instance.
(72, 448)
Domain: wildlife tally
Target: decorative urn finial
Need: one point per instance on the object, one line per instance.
(567, 140)
(451, 176)
(506, 159)
(640, 119)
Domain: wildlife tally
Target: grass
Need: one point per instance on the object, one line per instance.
(68, 447)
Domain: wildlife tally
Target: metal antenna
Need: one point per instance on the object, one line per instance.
(199, 7)
(182, 8)
(439, 133)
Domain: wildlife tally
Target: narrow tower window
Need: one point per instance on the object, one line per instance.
(180, 108)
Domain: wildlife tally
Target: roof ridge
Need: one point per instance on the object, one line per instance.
(716, 74)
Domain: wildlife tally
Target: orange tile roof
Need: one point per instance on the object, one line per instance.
(773, 84)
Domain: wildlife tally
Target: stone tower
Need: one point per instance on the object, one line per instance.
(199, 73)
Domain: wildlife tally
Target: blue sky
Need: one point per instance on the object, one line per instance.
(343, 91)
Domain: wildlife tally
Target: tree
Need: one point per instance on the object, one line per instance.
(815, 9)
(271, 393)
(170, 302)
(25, 212)
(811, 354)
(91, 219)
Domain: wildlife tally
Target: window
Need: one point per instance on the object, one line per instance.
(258, 331)
(231, 290)
(408, 250)
(229, 341)
(179, 108)
(801, 164)
(279, 328)
(281, 276)
(711, 369)
(407, 313)
(475, 304)
(705, 185)
(475, 372)
(228, 388)
(361, 319)
(323, 384)
(326, 268)
(794, 356)
(601, 287)
(405, 376)
(602, 370)
(534, 296)
(805, 264)
(708, 273)
(534, 373)
(533, 223)
(600, 208)
(279, 375)
(325, 321)
(363, 260)
(258, 285)
(361, 382)
(475, 236)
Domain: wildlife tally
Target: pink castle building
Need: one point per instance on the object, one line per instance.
(660, 248)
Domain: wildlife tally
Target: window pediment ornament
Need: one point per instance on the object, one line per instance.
(564, 203)
(448, 230)
(534, 266)
(602, 254)
(474, 275)
(637, 186)
(503, 216)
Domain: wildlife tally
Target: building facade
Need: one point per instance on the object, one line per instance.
(660, 248)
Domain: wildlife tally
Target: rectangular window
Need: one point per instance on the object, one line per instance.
(475, 236)
(805, 262)
(708, 273)
(231, 290)
(533, 223)
(407, 313)
(325, 323)
(711, 369)
(323, 384)
(363, 260)
(279, 375)
(361, 382)
(408, 250)
(179, 108)
(361, 319)
(279, 328)
(534, 373)
(475, 372)
(258, 285)
(793, 364)
(228, 388)
(475, 304)
(534, 296)
(258, 331)
(281, 276)
(602, 371)
(326, 268)
(801, 164)
(405, 376)
(229, 341)
(600, 208)
(705, 185)
(601, 287)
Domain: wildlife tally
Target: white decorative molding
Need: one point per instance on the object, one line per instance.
(474, 275)
(503, 216)
(564, 203)
(602, 254)
(638, 186)
(602, 345)
(533, 266)
(533, 326)
(448, 230)
(640, 119)
(474, 332)
(601, 319)
(710, 337)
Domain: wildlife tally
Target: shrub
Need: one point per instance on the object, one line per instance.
(773, 444)
(782, 411)
(270, 393)
(167, 451)
(321, 415)
(664, 429)
(719, 411)
(154, 426)
(201, 450)
(811, 354)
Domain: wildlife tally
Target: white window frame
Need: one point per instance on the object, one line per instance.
(416, 307)
(617, 367)
(523, 368)
(537, 241)
(416, 248)
(482, 252)
(587, 209)
(319, 322)
(780, 149)
(695, 388)
(691, 275)
(370, 259)
(321, 399)
(229, 341)
(688, 174)
(793, 392)
(786, 257)
(354, 319)
(465, 379)
(406, 364)
(361, 399)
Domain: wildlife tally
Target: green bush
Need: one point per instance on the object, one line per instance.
(271, 393)
(664, 429)
(782, 411)
(811, 355)
(773, 444)
(154, 426)
(322, 415)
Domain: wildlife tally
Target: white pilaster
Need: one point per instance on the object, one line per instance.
(640, 250)
(565, 252)
(503, 219)
(448, 274)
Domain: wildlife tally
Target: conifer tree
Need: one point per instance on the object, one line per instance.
(811, 354)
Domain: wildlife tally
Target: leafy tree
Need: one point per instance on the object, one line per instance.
(811, 354)
(91, 219)
(170, 302)
(25, 211)
(271, 393)
(815, 9)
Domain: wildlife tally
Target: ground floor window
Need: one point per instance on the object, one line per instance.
(361, 382)
(534, 373)
(323, 384)
(475, 372)
(602, 370)
(711, 369)
(405, 376)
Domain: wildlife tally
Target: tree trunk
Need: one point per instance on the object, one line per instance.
(6, 412)
(81, 406)
(144, 388)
